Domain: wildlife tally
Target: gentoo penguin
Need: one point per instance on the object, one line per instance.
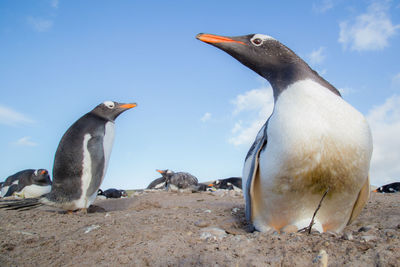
(313, 142)
(181, 180)
(158, 183)
(27, 183)
(82, 157)
(389, 188)
(114, 193)
(227, 183)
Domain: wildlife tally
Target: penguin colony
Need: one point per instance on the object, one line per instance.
(313, 144)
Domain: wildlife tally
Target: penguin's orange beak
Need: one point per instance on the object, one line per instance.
(210, 38)
(43, 172)
(376, 190)
(160, 171)
(210, 185)
(128, 106)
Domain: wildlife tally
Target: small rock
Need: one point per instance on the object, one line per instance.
(207, 211)
(201, 223)
(91, 228)
(366, 228)
(234, 210)
(321, 259)
(212, 233)
(348, 236)
(367, 238)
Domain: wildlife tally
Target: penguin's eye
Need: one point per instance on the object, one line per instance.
(257, 41)
(109, 104)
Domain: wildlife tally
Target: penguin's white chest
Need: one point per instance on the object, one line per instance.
(87, 172)
(108, 142)
(312, 128)
(316, 141)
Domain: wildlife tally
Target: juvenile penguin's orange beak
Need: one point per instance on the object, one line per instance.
(128, 106)
(210, 38)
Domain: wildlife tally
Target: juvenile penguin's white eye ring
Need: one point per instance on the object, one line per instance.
(257, 41)
(109, 104)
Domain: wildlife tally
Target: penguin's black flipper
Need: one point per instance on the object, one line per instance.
(20, 204)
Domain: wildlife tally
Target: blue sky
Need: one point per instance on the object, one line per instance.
(198, 108)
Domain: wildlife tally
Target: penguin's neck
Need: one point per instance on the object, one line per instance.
(281, 79)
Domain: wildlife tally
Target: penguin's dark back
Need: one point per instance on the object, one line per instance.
(26, 174)
(68, 161)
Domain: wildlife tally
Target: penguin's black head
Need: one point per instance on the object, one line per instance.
(100, 192)
(41, 177)
(166, 174)
(110, 110)
(264, 55)
(123, 193)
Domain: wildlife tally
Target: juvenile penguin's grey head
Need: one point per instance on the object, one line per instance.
(110, 110)
(267, 57)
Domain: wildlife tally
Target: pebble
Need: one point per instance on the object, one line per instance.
(348, 236)
(321, 259)
(367, 238)
(201, 223)
(366, 228)
(213, 233)
(235, 210)
(91, 228)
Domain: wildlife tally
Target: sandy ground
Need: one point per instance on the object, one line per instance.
(190, 229)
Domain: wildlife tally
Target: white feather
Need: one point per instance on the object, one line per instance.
(34, 190)
(83, 201)
(309, 122)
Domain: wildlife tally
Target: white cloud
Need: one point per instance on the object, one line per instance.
(317, 56)
(384, 121)
(368, 31)
(9, 116)
(253, 108)
(323, 6)
(25, 141)
(39, 24)
(206, 117)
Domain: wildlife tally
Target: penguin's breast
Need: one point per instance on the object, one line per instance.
(315, 139)
(108, 142)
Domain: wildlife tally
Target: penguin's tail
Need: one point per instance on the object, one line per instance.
(20, 204)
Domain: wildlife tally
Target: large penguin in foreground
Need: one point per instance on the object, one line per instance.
(313, 142)
(82, 157)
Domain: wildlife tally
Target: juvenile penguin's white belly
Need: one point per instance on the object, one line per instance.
(316, 141)
(86, 200)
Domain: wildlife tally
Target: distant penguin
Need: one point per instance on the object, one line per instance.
(228, 183)
(181, 180)
(158, 183)
(389, 188)
(27, 183)
(82, 157)
(114, 193)
(314, 144)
